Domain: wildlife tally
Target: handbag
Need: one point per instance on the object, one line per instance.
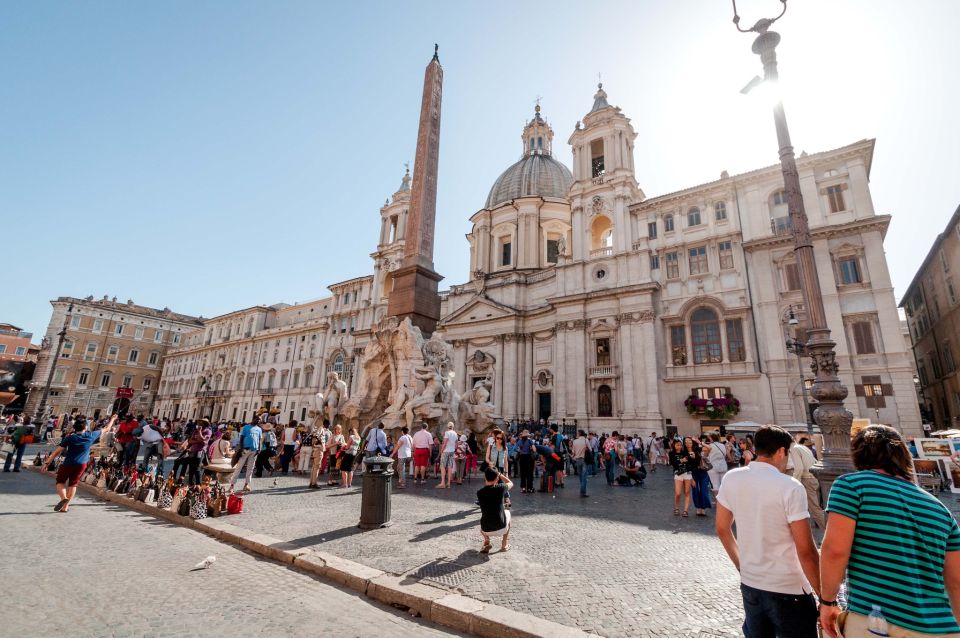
(165, 498)
(705, 464)
(8, 448)
(235, 504)
(26, 438)
(237, 455)
(183, 507)
(198, 506)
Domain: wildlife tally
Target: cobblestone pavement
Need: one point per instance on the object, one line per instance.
(617, 564)
(102, 570)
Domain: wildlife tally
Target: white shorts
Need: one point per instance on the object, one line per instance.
(500, 532)
(683, 477)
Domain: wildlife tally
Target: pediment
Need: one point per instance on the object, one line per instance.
(479, 309)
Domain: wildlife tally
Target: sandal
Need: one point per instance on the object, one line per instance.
(486, 548)
(676, 512)
(59, 506)
(505, 548)
(686, 514)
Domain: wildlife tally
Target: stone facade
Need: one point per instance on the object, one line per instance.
(933, 319)
(108, 345)
(588, 301)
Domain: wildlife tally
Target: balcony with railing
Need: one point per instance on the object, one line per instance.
(606, 251)
(268, 391)
(604, 372)
(781, 226)
(22, 334)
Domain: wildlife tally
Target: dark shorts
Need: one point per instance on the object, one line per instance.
(421, 457)
(771, 614)
(70, 474)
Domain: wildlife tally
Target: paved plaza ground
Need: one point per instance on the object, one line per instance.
(103, 570)
(616, 564)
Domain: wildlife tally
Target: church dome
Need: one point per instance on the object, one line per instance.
(537, 174)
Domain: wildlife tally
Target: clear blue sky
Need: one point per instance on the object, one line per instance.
(209, 156)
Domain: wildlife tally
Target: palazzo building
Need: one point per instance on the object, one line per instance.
(589, 301)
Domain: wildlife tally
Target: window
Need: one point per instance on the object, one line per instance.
(138, 332)
(91, 353)
(735, 346)
(948, 360)
(935, 362)
(105, 380)
(705, 336)
(118, 330)
(307, 377)
(97, 325)
(668, 223)
(112, 353)
(678, 345)
(67, 349)
(720, 211)
(726, 255)
(3, 348)
(553, 250)
(176, 339)
(652, 230)
(158, 336)
(693, 217)
(134, 355)
(343, 330)
(791, 277)
(83, 378)
(863, 337)
(596, 158)
(654, 262)
(21, 350)
(296, 378)
(850, 271)
(779, 213)
(603, 352)
(698, 260)
(58, 375)
(505, 252)
(673, 265)
(835, 198)
(338, 365)
(154, 358)
(604, 401)
(943, 261)
(127, 380)
(873, 391)
(75, 322)
(951, 292)
(147, 383)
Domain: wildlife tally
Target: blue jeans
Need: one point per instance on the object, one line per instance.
(130, 452)
(19, 454)
(611, 469)
(773, 615)
(582, 473)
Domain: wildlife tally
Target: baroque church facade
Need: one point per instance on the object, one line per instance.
(590, 302)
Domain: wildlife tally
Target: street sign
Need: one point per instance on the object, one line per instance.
(124, 393)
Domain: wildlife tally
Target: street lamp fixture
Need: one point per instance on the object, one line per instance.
(799, 348)
(832, 417)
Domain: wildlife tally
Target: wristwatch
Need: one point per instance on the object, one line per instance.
(827, 603)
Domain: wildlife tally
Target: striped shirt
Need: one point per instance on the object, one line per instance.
(897, 558)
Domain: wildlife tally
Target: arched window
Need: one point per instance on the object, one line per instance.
(240, 381)
(668, 223)
(693, 216)
(338, 362)
(604, 401)
(779, 213)
(601, 233)
(705, 335)
(308, 376)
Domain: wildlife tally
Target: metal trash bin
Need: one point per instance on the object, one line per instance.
(377, 492)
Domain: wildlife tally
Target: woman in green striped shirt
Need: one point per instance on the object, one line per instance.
(898, 546)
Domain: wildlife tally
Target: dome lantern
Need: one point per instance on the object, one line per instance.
(537, 135)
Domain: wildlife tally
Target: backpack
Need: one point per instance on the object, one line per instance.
(588, 456)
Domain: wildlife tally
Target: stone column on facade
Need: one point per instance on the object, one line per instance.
(627, 357)
(500, 371)
(530, 373)
(508, 407)
(459, 365)
(647, 387)
(579, 238)
(579, 343)
(622, 236)
(402, 225)
(560, 364)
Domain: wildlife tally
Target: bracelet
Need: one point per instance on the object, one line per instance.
(827, 603)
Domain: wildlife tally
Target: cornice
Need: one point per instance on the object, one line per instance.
(877, 222)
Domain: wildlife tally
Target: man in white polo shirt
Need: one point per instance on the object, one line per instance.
(773, 549)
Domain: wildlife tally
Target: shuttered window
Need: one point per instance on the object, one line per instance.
(863, 337)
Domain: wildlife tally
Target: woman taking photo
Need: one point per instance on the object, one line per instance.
(351, 450)
(497, 456)
(898, 546)
(680, 461)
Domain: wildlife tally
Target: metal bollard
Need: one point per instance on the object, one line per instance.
(377, 492)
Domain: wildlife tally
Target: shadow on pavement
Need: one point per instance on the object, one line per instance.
(326, 537)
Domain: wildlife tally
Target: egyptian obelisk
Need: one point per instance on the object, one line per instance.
(414, 293)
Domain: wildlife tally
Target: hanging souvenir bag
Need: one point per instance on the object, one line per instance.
(165, 497)
(235, 504)
(198, 508)
(183, 509)
(102, 481)
(178, 495)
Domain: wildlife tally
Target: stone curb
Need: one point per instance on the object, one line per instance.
(433, 604)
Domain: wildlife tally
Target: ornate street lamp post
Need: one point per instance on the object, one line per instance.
(799, 348)
(38, 417)
(834, 419)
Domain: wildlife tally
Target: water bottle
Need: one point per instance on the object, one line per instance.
(877, 624)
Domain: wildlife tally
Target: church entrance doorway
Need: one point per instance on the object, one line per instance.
(544, 405)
